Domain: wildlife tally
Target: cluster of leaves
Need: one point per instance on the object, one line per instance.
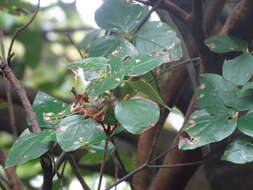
(116, 62)
(226, 103)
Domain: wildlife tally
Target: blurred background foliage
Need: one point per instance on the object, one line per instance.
(42, 53)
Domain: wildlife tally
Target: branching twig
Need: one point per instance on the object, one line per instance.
(47, 168)
(104, 161)
(140, 168)
(74, 44)
(177, 11)
(77, 172)
(177, 165)
(20, 29)
(35, 128)
(144, 20)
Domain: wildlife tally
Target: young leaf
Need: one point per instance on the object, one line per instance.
(225, 44)
(146, 89)
(141, 64)
(155, 36)
(29, 146)
(99, 87)
(214, 93)
(75, 132)
(203, 129)
(93, 67)
(240, 151)
(137, 114)
(110, 46)
(245, 124)
(239, 70)
(49, 110)
(119, 16)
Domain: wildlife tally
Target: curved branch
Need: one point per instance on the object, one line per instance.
(212, 10)
(239, 24)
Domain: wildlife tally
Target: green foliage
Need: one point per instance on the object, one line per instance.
(113, 61)
(204, 128)
(225, 44)
(147, 90)
(118, 19)
(227, 104)
(239, 70)
(49, 110)
(240, 151)
(75, 131)
(155, 36)
(136, 115)
(29, 146)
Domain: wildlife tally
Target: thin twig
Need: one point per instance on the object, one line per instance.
(104, 161)
(8, 93)
(59, 161)
(117, 156)
(20, 29)
(140, 168)
(77, 172)
(35, 128)
(177, 165)
(74, 44)
(172, 66)
(143, 21)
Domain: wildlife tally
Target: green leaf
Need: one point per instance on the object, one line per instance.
(99, 87)
(29, 146)
(110, 46)
(49, 110)
(246, 87)
(225, 44)
(214, 93)
(239, 70)
(147, 89)
(155, 36)
(137, 115)
(119, 16)
(240, 151)
(141, 64)
(203, 129)
(75, 132)
(241, 101)
(245, 124)
(93, 67)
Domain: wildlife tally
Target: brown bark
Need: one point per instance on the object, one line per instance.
(169, 92)
(10, 173)
(240, 22)
(212, 9)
